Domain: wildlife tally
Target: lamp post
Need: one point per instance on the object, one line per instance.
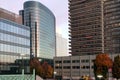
(0, 68)
(109, 71)
(58, 74)
(22, 55)
(58, 68)
(55, 74)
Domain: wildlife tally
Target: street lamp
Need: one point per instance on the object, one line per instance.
(58, 65)
(99, 76)
(55, 74)
(22, 55)
(0, 69)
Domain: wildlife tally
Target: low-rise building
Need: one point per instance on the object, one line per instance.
(74, 67)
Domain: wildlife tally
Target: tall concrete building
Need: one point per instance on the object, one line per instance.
(112, 26)
(42, 25)
(85, 27)
(94, 26)
(61, 45)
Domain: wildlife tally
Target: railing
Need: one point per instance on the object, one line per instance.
(19, 77)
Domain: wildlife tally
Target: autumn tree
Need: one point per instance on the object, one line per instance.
(116, 67)
(101, 65)
(35, 64)
(44, 70)
(48, 70)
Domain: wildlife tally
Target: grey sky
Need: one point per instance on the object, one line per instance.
(58, 7)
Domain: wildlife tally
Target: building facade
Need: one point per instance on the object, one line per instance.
(10, 16)
(85, 27)
(74, 67)
(94, 26)
(61, 45)
(42, 27)
(14, 42)
(112, 26)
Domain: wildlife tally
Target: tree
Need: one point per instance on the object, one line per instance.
(35, 64)
(101, 65)
(48, 70)
(116, 67)
(44, 70)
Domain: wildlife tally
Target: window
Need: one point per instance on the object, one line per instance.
(58, 61)
(75, 61)
(76, 67)
(66, 67)
(66, 61)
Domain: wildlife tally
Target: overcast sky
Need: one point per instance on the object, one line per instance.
(58, 7)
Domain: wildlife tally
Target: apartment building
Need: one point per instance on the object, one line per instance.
(112, 26)
(85, 27)
(94, 26)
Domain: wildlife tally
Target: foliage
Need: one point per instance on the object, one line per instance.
(103, 60)
(116, 67)
(43, 70)
(48, 70)
(102, 64)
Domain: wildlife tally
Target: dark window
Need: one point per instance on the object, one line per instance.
(66, 61)
(87, 60)
(93, 60)
(66, 67)
(76, 67)
(75, 61)
(87, 67)
(58, 67)
(57, 61)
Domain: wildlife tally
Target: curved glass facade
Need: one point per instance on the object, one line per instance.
(42, 23)
(14, 41)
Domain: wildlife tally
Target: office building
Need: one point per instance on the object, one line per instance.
(61, 45)
(14, 42)
(74, 67)
(42, 27)
(94, 27)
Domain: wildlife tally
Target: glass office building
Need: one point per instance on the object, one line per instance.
(14, 41)
(42, 25)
